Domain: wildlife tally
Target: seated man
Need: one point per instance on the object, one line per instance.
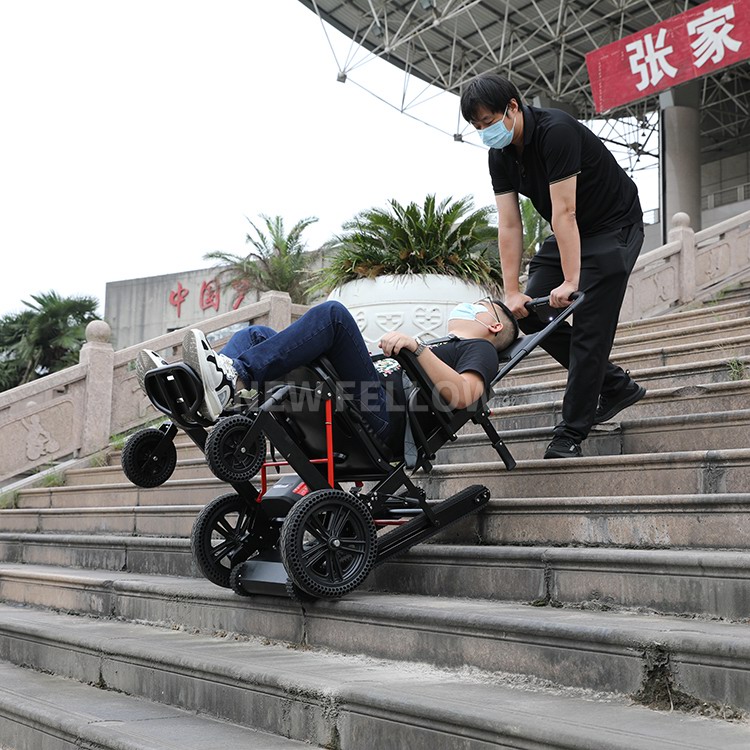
(461, 367)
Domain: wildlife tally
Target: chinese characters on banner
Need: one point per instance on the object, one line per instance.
(701, 40)
(210, 296)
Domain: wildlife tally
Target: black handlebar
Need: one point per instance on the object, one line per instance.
(532, 304)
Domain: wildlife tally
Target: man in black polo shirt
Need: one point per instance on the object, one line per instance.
(575, 183)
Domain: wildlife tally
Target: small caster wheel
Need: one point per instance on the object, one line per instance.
(221, 450)
(148, 458)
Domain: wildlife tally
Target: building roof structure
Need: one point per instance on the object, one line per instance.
(542, 46)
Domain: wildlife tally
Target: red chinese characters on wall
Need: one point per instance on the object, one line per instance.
(209, 296)
(699, 41)
(177, 297)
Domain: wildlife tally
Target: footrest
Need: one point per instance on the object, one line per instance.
(420, 528)
(176, 391)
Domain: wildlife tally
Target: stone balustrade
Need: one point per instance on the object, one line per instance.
(76, 411)
(691, 267)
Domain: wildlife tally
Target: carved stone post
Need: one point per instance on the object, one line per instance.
(97, 353)
(280, 314)
(682, 232)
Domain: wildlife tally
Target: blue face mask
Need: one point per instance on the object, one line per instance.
(497, 135)
(466, 311)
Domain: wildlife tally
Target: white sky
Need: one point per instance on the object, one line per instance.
(137, 136)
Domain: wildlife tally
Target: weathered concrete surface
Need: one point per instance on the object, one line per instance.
(346, 702)
(598, 650)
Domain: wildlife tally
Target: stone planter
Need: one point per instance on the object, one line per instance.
(415, 304)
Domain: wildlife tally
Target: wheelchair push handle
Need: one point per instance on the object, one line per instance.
(533, 304)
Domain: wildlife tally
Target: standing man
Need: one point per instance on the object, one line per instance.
(593, 208)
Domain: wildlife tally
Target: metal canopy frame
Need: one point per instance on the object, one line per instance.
(542, 46)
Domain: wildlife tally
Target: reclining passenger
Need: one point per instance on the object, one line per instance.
(461, 367)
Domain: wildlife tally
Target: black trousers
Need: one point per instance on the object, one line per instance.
(583, 348)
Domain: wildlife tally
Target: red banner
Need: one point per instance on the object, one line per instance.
(699, 41)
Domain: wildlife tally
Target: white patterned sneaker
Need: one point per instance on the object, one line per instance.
(216, 372)
(146, 360)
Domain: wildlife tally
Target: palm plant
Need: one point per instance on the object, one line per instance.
(279, 260)
(448, 237)
(43, 339)
(535, 228)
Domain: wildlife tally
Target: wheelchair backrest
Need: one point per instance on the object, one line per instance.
(359, 454)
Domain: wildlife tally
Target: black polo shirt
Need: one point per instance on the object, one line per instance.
(557, 146)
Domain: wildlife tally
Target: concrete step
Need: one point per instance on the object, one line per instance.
(152, 520)
(186, 469)
(732, 294)
(665, 474)
(680, 581)
(682, 472)
(674, 581)
(347, 702)
(172, 492)
(720, 354)
(658, 402)
(706, 521)
(515, 388)
(186, 449)
(692, 432)
(137, 554)
(44, 712)
(715, 312)
(601, 651)
(610, 481)
(702, 333)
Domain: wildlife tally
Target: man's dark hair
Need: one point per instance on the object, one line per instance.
(510, 330)
(491, 91)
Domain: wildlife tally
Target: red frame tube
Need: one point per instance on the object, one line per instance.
(328, 460)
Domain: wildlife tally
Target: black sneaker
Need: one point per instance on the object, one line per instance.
(609, 407)
(563, 447)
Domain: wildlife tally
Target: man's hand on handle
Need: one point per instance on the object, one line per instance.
(560, 297)
(516, 301)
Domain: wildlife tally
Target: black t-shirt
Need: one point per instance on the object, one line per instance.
(557, 146)
(463, 355)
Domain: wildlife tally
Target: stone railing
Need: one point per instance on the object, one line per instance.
(690, 267)
(75, 412)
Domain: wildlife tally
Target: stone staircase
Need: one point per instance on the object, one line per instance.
(597, 603)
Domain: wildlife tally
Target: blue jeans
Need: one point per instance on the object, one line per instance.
(261, 354)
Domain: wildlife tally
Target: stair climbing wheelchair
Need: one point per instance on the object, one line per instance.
(349, 501)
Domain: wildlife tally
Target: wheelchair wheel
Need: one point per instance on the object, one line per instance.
(220, 450)
(224, 535)
(328, 543)
(139, 462)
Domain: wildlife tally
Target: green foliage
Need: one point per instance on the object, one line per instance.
(279, 261)
(45, 338)
(436, 238)
(535, 228)
(737, 370)
(8, 500)
(99, 460)
(53, 479)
